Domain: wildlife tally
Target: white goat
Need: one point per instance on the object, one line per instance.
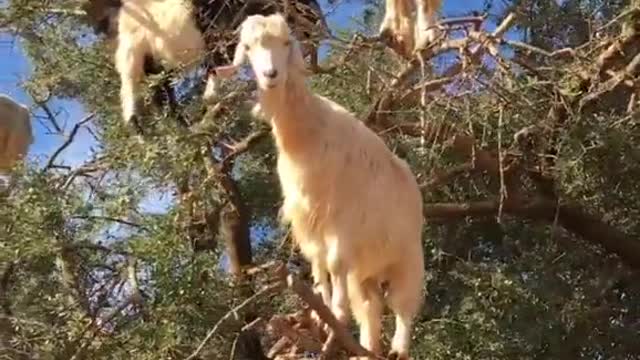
(399, 30)
(15, 133)
(156, 34)
(354, 207)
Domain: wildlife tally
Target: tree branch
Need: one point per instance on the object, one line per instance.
(570, 216)
(242, 147)
(69, 140)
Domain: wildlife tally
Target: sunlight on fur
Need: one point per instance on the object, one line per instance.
(354, 207)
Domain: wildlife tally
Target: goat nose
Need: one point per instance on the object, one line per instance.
(271, 73)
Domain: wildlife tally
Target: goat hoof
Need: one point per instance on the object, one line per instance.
(386, 37)
(394, 355)
(425, 38)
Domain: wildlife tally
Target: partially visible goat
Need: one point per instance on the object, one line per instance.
(399, 30)
(15, 133)
(156, 34)
(355, 208)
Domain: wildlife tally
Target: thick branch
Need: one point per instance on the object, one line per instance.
(570, 216)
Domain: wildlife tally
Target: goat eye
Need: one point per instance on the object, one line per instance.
(246, 47)
(287, 43)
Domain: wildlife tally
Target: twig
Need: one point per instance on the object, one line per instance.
(69, 140)
(566, 52)
(111, 219)
(618, 18)
(50, 115)
(447, 175)
(242, 147)
(233, 311)
(503, 188)
(281, 326)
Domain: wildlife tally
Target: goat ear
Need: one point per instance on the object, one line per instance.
(227, 71)
(295, 57)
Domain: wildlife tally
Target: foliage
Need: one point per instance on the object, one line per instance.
(88, 273)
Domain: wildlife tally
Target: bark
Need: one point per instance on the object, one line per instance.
(234, 226)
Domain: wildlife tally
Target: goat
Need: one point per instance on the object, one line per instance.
(166, 34)
(398, 29)
(15, 133)
(354, 207)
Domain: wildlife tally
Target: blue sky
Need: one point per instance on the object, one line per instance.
(15, 69)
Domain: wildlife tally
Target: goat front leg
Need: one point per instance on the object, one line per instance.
(129, 62)
(321, 286)
(426, 23)
(405, 299)
(339, 291)
(367, 307)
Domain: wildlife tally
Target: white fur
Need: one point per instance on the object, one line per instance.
(15, 133)
(355, 208)
(398, 23)
(164, 29)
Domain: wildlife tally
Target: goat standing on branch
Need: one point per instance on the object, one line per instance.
(15, 133)
(155, 34)
(354, 207)
(404, 34)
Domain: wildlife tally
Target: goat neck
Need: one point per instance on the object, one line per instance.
(290, 110)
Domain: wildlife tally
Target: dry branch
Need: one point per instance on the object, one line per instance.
(241, 147)
(69, 140)
(307, 342)
(315, 303)
(388, 99)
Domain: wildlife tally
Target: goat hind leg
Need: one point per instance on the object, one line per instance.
(339, 292)
(404, 298)
(396, 29)
(366, 304)
(426, 22)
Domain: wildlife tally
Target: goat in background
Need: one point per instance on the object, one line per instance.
(401, 32)
(152, 35)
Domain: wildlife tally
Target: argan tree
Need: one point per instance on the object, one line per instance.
(521, 122)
